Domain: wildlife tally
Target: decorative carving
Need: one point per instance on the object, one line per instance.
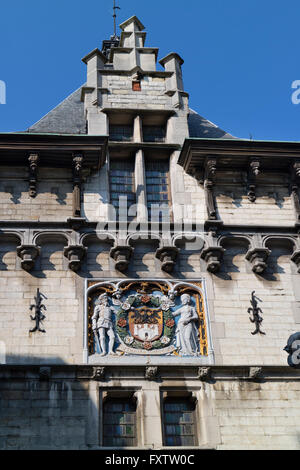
(28, 255)
(255, 373)
(204, 373)
(254, 171)
(39, 317)
(99, 373)
(77, 180)
(45, 374)
(167, 256)
(121, 255)
(75, 255)
(258, 259)
(151, 373)
(209, 181)
(255, 310)
(187, 334)
(147, 318)
(102, 325)
(33, 170)
(295, 178)
(213, 256)
(296, 259)
(293, 350)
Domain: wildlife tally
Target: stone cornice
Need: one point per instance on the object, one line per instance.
(238, 154)
(243, 373)
(54, 150)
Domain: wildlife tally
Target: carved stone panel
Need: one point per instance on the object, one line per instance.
(146, 318)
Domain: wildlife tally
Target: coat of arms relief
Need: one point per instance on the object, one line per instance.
(147, 318)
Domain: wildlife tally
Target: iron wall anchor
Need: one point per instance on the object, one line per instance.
(255, 310)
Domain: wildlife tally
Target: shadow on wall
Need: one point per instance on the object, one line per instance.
(47, 407)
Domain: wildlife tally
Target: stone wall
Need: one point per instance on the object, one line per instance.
(228, 295)
(53, 201)
(152, 93)
(60, 407)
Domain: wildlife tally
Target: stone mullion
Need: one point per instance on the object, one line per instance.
(140, 187)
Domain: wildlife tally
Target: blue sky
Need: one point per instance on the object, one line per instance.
(241, 57)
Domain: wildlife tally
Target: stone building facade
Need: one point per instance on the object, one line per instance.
(149, 270)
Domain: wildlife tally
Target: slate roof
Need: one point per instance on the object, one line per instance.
(68, 118)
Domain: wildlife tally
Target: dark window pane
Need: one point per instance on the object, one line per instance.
(121, 133)
(122, 183)
(154, 133)
(119, 423)
(179, 425)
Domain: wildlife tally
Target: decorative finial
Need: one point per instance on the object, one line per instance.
(115, 8)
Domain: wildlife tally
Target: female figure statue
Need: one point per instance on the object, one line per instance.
(187, 335)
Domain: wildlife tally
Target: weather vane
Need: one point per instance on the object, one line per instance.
(115, 8)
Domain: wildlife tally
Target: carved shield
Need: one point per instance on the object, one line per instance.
(146, 324)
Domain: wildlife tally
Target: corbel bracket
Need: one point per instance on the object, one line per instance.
(28, 255)
(151, 373)
(75, 255)
(77, 181)
(167, 256)
(33, 160)
(255, 373)
(213, 256)
(121, 255)
(99, 373)
(209, 182)
(204, 374)
(253, 172)
(258, 258)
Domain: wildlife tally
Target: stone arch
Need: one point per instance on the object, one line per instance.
(98, 253)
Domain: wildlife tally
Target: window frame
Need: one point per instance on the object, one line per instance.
(120, 394)
(179, 395)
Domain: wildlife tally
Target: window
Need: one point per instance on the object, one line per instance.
(122, 182)
(157, 185)
(121, 133)
(136, 86)
(119, 423)
(179, 422)
(154, 134)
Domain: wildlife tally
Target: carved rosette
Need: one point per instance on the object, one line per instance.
(167, 256)
(121, 255)
(75, 255)
(213, 256)
(28, 255)
(258, 258)
(296, 259)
